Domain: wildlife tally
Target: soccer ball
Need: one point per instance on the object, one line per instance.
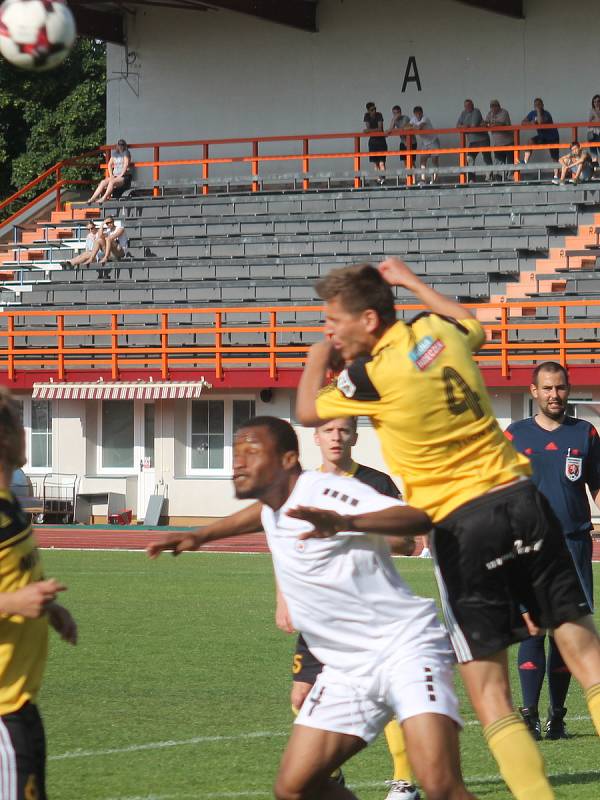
(36, 34)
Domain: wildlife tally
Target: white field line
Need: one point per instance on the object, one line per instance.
(195, 740)
(143, 550)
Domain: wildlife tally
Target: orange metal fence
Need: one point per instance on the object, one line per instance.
(560, 337)
(312, 148)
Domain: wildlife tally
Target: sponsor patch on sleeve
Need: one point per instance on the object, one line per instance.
(426, 351)
(345, 384)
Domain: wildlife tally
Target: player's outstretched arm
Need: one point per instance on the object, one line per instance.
(312, 381)
(397, 273)
(32, 600)
(245, 521)
(392, 521)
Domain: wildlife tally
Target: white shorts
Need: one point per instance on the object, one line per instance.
(423, 685)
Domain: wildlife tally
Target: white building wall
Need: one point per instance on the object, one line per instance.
(219, 74)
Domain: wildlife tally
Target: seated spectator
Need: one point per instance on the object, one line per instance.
(471, 118)
(577, 163)
(498, 116)
(116, 244)
(425, 142)
(400, 122)
(373, 120)
(594, 131)
(540, 116)
(118, 174)
(94, 242)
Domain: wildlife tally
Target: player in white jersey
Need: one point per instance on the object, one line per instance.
(384, 650)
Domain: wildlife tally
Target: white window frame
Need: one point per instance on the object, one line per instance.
(138, 439)
(27, 422)
(227, 470)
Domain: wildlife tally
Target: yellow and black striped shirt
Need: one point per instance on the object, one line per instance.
(23, 642)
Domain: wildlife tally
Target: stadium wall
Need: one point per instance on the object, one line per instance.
(188, 75)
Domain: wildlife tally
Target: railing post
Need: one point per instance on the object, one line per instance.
(218, 346)
(114, 346)
(504, 340)
(517, 156)
(164, 344)
(60, 330)
(57, 203)
(156, 170)
(462, 160)
(10, 340)
(410, 160)
(305, 165)
(272, 345)
(254, 165)
(357, 178)
(205, 168)
(562, 335)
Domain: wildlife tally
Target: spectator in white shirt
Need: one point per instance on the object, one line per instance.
(425, 141)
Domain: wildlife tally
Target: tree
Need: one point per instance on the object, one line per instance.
(46, 117)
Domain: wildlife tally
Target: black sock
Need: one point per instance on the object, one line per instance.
(532, 667)
(559, 676)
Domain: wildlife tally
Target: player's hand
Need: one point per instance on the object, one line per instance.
(532, 628)
(325, 522)
(63, 623)
(397, 273)
(30, 601)
(402, 545)
(283, 619)
(175, 542)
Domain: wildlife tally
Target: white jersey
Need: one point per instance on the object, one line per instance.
(343, 593)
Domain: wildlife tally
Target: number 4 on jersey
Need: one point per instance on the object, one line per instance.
(459, 395)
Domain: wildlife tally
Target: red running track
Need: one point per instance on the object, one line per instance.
(112, 538)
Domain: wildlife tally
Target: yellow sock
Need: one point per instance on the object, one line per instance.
(592, 695)
(520, 762)
(397, 748)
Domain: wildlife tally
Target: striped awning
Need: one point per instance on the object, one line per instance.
(120, 390)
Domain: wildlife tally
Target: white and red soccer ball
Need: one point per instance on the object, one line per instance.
(36, 34)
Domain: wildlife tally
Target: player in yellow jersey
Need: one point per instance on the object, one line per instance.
(27, 605)
(496, 543)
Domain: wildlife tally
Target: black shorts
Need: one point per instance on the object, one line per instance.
(500, 552)
(22, 755)
(539, 139)
(305, 666)
(376, 144)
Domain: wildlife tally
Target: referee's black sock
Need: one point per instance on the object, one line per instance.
(559, 677)
(532, 668)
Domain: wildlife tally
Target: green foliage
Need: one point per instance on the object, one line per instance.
(179, 687)
(49, 116)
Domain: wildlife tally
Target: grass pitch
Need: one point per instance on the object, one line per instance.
(179, 687)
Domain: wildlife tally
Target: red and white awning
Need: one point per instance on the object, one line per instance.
(120, 390)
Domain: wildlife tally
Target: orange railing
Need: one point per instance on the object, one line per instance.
(312, 149)
(106, 329)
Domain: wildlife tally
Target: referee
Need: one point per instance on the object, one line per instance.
(335, 439)
(565, 456)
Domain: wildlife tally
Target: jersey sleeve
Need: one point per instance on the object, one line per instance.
(593, 467)
(352, 395)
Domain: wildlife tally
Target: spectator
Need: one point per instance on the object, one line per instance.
(540, 116)
(115, 245)
(93, 244)
(373, 120)
(578, 163)
(594, 132)
(499, 116)
(425, 142)
(399, 122)
(117, 176)
(471, 118)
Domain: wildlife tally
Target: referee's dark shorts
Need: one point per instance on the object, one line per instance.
(22, 755)
(495, 554)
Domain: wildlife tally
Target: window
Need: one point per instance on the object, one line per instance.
(41, 434)
(117, 434)
(211, 427)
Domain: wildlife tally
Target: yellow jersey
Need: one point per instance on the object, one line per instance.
(23, 642)
(429, 405)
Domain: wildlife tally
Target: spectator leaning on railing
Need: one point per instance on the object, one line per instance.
(470, 117)
(498, 116)
(373, 120)
(594, 131)
(425, 142)
(399, 121)
(540, 116)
